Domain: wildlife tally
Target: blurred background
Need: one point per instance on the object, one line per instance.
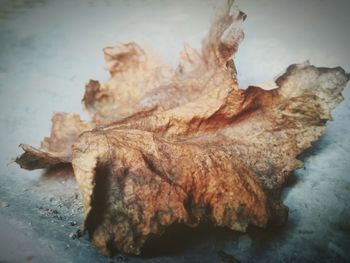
(50, 49)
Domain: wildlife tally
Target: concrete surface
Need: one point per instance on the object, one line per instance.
(50, 49)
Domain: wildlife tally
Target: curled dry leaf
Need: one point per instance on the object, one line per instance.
(57, 148)
(187, 145)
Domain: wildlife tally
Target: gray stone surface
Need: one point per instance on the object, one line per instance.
(50, 49)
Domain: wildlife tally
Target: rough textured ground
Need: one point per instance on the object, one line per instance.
(49, 49)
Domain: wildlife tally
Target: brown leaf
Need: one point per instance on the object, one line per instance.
(223, 160)
(134, 73)
(57, 148)
(187, 145)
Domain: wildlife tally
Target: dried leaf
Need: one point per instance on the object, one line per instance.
(134, 73)
(187, 145)
(223, 160)
(57, 148)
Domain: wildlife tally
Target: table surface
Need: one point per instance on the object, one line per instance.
(50, 49)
